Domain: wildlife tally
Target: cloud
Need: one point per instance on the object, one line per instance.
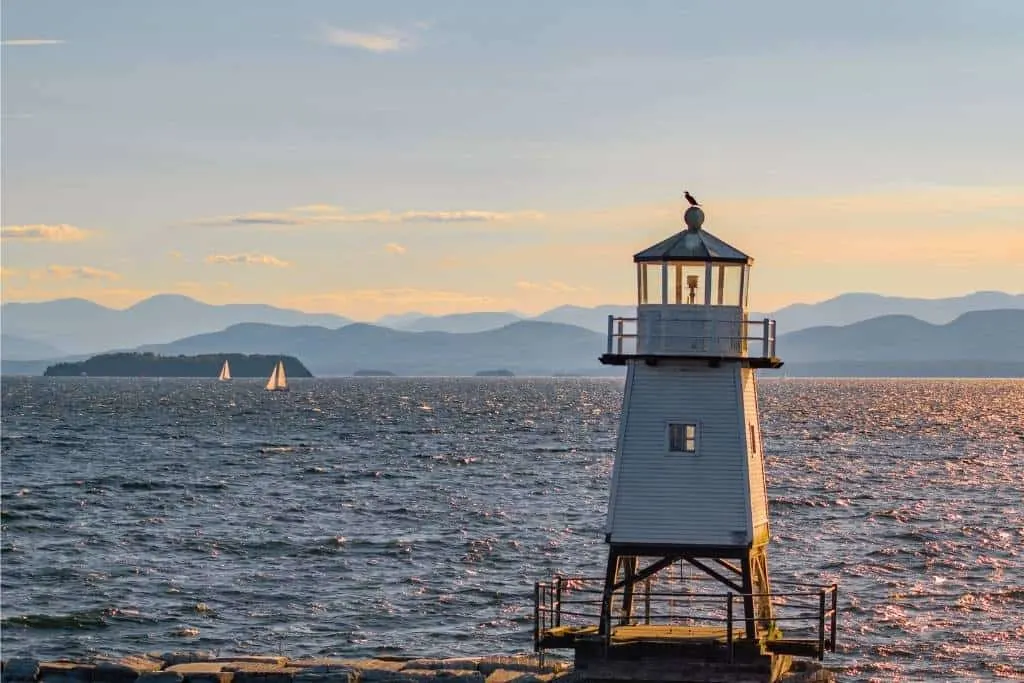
(385, 40)
(7, 273)
(263, 218)
(394, 248)
(30, 42)
(465, 216)
(327, 214)
(44, 233)
(317, 208)
(552, 286)
(247, 260)
(73, 273)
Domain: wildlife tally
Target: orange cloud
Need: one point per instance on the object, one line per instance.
(247, 260)
(386, 40)
(326, 214)
(73, 273)
(394, 248)
(30, 42)
(44, 233)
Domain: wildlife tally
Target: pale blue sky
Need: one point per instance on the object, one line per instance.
(880, 132)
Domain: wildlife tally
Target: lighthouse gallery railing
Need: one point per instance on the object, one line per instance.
(623, 335)
(570, 605)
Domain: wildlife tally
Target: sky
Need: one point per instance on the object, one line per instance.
(371, 158)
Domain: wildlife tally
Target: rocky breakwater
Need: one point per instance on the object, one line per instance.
(197, 667)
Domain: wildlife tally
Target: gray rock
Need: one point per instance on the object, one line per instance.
(124, 669)
(376, 669)
(460, 664)
(254, 672)
(327, 676)
(208, 677)
(323, 664)
(172, 658)
(531, 663)
(443, 675)
(20, 669)
(65, 672)
(510, 676)
(161, 677)
(383, 676)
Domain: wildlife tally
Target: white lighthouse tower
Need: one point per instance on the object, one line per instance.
(688, 480)
(687, 526)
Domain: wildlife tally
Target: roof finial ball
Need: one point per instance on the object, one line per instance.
(694, 215)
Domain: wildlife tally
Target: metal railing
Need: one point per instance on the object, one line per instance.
(623, 336)
(808, 614)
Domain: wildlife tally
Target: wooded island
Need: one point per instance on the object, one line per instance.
(152, 365)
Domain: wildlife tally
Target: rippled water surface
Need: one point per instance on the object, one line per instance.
(413, 516)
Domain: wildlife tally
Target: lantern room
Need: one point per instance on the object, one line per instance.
(692, 268)
(692, 293)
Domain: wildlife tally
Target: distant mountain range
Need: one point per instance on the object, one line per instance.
(78, 326)
(567, 339)
(976, 344)
(841, 310)
(534, 347)
(55, 329)
(979, 343)
(18, 348)
(846, 309)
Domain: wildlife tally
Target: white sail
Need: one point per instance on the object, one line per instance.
(225, 372)
(277, 381)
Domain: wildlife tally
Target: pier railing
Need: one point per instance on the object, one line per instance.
(803, 623)
(704, 336)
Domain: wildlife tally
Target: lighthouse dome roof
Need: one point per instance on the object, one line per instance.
(692, 244)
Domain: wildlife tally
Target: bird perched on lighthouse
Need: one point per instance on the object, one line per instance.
(689, 198)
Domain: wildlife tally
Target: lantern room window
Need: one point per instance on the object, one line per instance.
(682, 437)
(691, 283)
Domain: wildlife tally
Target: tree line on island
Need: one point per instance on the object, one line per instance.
(147, 364)
(153, 365)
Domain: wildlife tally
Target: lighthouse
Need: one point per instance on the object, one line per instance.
(688, 478)
(687, 528)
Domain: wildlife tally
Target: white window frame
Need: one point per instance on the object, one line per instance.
(690, 443)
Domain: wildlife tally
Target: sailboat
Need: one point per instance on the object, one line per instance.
(225, 372)
(277, 381)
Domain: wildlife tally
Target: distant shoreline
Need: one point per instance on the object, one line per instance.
(172, 367)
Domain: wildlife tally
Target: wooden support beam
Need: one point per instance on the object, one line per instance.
(712, 573)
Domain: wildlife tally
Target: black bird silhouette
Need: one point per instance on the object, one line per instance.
(689, 198)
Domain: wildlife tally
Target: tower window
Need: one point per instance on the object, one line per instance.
(753, 440)
(682, 437)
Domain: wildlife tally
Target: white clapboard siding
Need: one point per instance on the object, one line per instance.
(755, 450)
(661, 497)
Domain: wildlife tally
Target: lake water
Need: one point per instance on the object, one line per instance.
(358, 516)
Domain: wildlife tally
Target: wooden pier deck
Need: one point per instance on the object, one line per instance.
(682, 636)
(566, 636)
